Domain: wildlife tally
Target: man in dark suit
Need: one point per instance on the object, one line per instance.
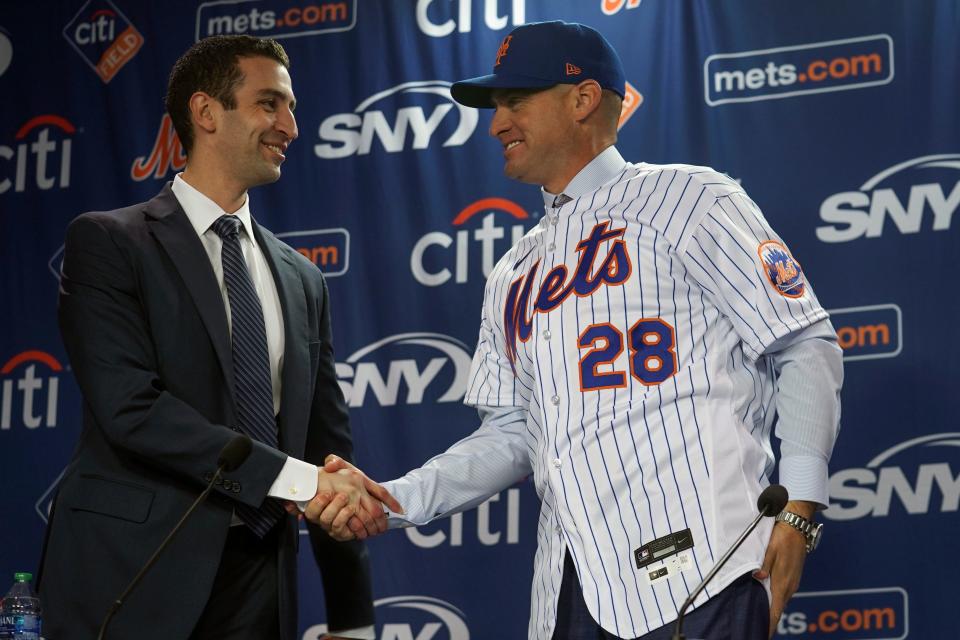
(186, 322)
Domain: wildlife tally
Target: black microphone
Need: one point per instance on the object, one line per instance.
(233, 454)
(771, 502)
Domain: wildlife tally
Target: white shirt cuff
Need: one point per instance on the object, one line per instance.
(296, 482)
(361, 633)
(805, 478)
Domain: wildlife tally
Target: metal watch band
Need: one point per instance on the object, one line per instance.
(810, 530)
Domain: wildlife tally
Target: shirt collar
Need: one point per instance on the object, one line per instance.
(203, 212)
(607, 164)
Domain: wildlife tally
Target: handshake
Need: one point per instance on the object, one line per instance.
(348, 505)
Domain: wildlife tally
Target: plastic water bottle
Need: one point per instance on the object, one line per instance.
(20, 611)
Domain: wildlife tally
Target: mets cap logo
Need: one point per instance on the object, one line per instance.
(783, 272)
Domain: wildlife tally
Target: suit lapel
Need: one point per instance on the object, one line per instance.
(295, 374)
(170, 226)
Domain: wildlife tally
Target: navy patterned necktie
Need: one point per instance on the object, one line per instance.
(251, 363)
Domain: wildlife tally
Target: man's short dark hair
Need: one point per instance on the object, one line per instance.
(212, 66)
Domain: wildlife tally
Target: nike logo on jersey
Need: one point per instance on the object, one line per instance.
(614, 270)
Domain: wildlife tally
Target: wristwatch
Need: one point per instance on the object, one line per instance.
(811, 530)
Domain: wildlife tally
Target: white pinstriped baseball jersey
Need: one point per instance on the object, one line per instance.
(629, 326)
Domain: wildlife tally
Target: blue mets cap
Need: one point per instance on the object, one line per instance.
(542, 54)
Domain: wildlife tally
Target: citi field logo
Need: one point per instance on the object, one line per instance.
(167, 154)
(917, 195)
(440, 19)
(406, 116)
(275, 18)
(613, 7)
(411, 618)
(30, 391)
(784, 72)
(329, 249)
(870, 332)
(6, 51)
(44, 505)
(902, 478)
(406, 368)
(497, 523)
(852, 614)
(632, 99)
(103, 37)
(436, 253)
(50, 148)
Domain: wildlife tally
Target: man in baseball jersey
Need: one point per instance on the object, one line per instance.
(635, 348)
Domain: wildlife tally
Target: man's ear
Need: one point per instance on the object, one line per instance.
(588, 95)
(204, 111)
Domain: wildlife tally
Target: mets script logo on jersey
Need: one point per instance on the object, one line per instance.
(783, 72)
(850, 614)
(420, 362)
(275, 18)
(103, 37)
(167, 154)
(902, 478)
(51, 168)
(411, 617)
(441, 18)
(403, 117)
(614, 270)
(909, 194)
(31, 383)
(6, 51)
(434, 253)
(782, 270)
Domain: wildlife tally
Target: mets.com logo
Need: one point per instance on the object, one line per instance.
(915, 195)
(916, 477)
(869, 332)
(783, 72)
(853, 614)
(275, 18)
(409, 618)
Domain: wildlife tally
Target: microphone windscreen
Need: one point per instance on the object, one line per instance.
(772, 500)
(235, 453)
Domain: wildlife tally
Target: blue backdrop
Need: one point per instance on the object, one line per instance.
(839, 118)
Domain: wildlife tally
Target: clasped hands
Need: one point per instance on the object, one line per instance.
(348, 505)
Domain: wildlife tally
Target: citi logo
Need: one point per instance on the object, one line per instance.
(167, 154)
(30, 391)
(399, 118)
(432, 256)
(437, 19)
(413, 362)
(328, 249)
(895, 479)
(103, 37)
(612, 7)
(50, 165)
(6, 51)
(497, 523)
(412, 618)
(919, 194)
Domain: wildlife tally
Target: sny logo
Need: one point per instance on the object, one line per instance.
(43, 148)
(167, 154)
(275, 19)
(103, 37)
(22, 381)
(347, 134)
(408, 617)
(431, 268)
(923, 184)
(428, 22)
(361, 372)
(329, 249)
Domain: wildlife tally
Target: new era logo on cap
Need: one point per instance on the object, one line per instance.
(573, 70)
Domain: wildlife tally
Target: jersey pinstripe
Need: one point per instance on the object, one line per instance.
(630, 324)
